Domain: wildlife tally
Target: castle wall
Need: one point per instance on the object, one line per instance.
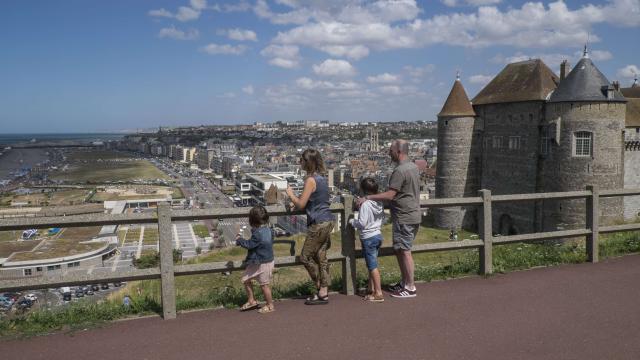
(632, 179)
(456, 174)
(565, 172)
(510, 147)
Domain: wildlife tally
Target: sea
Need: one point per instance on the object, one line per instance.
(15, 160)
(13, 139)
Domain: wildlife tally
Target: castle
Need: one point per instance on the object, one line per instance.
(530, 131)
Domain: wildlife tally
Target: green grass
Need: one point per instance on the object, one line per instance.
(200, 230)
(94, 155)
(150, 236)
(213, 290)
(109, 171)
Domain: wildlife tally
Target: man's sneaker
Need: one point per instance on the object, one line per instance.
(404, 293)
(395, 287)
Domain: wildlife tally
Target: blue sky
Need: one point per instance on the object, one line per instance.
(76, 66)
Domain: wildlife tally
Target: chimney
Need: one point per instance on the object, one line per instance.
(616, 85)
(565, 68)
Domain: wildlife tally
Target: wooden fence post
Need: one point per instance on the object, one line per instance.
(593, 220)
(348, 247)
(486, 227)
(166, 261)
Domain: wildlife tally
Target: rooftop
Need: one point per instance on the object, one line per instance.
(457, 103)
(585, 83)
(529, 80)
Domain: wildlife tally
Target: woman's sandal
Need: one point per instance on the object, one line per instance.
(249, 306)
(266, 309)
(373, 298)
(317, 300)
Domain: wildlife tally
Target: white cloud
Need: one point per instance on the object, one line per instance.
(187, 14)
(452, 3)
(198, 4)
(355, 52)
(160, 13)
(334, 29)
(285, 56)
(248, 89)
(241, 35)
(480, 79)
(628, 72)
(483, 2)
(596, 55)
(384, 78)
(310, 84)
(173, 33)
(225, 49)
(333, 67)
(390, 90)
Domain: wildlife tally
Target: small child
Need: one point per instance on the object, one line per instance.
(369, 220)
(259, 259)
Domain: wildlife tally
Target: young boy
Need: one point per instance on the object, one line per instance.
(369, 220)
(259, 259)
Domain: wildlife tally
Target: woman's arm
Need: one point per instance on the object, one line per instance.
(309, 188)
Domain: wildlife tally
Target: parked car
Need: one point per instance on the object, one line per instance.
(87, 290)
(95, 287)
(12, 296)
(66, 296)
(104, 286)
(31, 297)
(79, 293)
(117, 283)
(24, 304)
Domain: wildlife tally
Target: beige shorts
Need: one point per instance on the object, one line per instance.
(260, 272)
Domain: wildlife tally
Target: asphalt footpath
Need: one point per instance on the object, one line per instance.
(585, 311)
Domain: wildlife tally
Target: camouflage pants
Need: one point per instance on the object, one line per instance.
(314, 252)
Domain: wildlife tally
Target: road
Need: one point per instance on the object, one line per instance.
(569, 312)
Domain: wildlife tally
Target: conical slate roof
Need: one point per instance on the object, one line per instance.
(457, 103)
(585, 83)
(528, 80)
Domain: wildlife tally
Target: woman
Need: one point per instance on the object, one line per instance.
(315, 201)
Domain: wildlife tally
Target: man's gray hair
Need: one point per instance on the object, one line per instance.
(402, 146)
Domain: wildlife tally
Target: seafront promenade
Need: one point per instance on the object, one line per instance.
(585, 311)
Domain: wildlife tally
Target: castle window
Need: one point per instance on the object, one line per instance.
(497, 142)
(27, 272)
(514, 142)
(544, 142)
(510, 118)
(522, 117)
(582, 143)
(530, 117)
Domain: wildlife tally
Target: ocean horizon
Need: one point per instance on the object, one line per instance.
(9, 139)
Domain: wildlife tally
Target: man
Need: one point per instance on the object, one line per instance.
(404, 198)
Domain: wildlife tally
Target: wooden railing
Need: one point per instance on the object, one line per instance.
(167, 270)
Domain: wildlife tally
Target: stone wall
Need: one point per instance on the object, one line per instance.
(632, 179)
(510, 161)
(457, 165)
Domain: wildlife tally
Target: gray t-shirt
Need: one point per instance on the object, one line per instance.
(405, 206)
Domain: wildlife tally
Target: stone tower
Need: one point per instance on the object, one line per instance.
(456, 168)
(373, 139)
(585, 121)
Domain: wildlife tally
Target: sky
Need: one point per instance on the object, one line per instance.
(90, 66)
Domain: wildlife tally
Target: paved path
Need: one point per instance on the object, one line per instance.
(581, 311)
